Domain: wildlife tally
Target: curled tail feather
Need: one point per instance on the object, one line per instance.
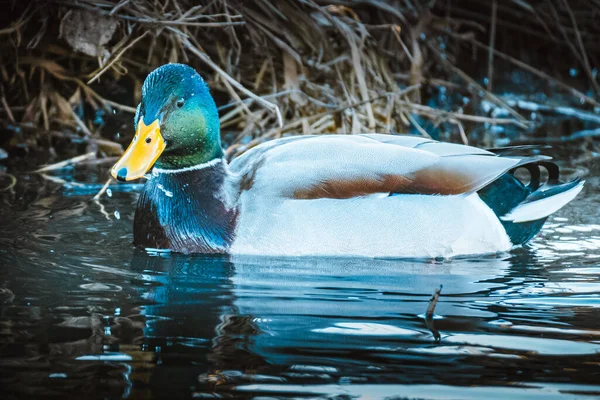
(523, 209)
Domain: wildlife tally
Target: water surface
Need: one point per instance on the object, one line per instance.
(84, 314)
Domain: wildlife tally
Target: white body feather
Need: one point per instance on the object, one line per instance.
(370, 226)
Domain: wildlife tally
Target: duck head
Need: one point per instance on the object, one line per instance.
(176, 124)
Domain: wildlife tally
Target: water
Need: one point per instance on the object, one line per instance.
(83, 314)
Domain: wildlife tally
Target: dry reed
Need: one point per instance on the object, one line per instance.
(285, 66)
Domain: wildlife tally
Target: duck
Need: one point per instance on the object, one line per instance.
(363, 195)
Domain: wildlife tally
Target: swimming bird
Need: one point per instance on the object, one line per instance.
(372, 195)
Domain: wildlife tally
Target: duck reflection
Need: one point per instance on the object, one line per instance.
(193, 305)
(275, 316)
(168, 325)
(185, 296)
(193, 325)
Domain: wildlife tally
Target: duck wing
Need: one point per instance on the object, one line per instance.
(346, 166)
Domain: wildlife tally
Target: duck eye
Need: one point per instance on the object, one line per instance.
(148, 140)
(180, 103)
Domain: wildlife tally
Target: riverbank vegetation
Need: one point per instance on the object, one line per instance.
(481, 72)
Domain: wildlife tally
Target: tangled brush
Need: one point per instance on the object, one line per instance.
(301, 66)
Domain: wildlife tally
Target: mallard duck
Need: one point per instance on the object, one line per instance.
(373, 195)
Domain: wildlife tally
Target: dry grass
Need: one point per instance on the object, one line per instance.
(287, 65)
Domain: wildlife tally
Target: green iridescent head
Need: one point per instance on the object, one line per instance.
(176, 124)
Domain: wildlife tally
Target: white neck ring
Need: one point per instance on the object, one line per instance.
(207, 164)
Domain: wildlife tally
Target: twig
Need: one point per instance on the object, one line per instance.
(104, 187)
(589, 133)
(298, 122)
(492, 44)
(433, 302)
(472, 82)
(80, 123)
(236, 96)
(116, 105)
(422, 131)
(66, 163)
(117, 57)
(112, 147)
(358, 104)
(396, 32)
(531, 69)
(57, 71)
(360, 73)
(436, 113)
(116, 8)
(101, 99)
(276, 95)
(13, 182)
(204, 57)
(585, 61)
(181, 23)
(461, 129)
(154, 21)
(23, 19)
(56, 179)
(560, 110)
(9, 113)
(100, 161)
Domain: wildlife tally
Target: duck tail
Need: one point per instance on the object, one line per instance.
(523, 209)
(544, 201)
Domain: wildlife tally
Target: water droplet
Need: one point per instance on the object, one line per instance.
(109, 192)
(117, 214)
(573, 72)
(486, 81)
(165, 191)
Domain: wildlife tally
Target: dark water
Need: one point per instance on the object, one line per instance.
(84, 315)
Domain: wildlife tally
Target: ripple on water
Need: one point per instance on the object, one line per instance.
(101, 287)
(567, 301)
(528, 391)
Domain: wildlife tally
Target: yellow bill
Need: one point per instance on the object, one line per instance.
(145, 148)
